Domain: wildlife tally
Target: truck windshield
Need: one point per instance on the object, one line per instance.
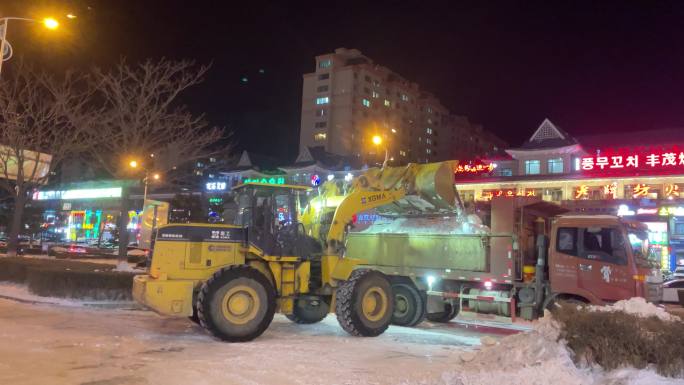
(644, 253)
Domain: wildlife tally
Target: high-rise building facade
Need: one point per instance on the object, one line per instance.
(349, 99)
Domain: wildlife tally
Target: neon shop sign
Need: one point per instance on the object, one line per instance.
(508, 193)
(665, 160)
(481, 168)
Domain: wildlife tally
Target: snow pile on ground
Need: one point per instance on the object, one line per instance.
(527, 358)
(637, 306)
(128, 268)
(538, 357)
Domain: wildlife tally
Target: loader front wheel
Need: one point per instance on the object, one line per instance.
(236, 304)
(309, 311)
(409, 308)
(364, 303)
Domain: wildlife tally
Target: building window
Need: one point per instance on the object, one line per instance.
(323, 100)
(323, 76)
(555, 166)
(368, 79)
(532, 167)
(428, 141)
(325, 63)
(429, 131)
(376, 94)
(506, 172)
(365, 102)
(320, 137)
(428, 151)
(402, 152)
(321, 112)
(321, 124)
(322, 88)
(387, 103)
(404, 97)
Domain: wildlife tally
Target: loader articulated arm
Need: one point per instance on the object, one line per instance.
(395, 191)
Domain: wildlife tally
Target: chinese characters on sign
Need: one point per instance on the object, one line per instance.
(279, 180)
(216, 186)
(475, 169)
(672, 190)
(582, 192)
(665, 160)
(508, 193)
(641, 190)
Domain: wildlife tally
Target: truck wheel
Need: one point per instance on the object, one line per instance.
(409, 308)
(450, 312)
(364, 304)
(309, 311)
(236, 304)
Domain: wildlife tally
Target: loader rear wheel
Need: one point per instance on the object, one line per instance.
(236, 304)
(409, 308)
(450, 312)
(364, 303)
(309, 311)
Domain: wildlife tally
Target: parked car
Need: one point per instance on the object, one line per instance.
(678, 272)
(670, 289)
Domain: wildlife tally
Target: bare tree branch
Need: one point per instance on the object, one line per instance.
(141, 118)
(39, 128)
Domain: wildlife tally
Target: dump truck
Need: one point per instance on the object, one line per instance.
(298, 251)
(531, 256)
(285, 253)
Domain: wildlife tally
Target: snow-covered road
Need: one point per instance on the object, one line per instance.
(53, 345)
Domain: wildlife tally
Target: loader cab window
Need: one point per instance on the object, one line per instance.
(284, 214)
(244, 211)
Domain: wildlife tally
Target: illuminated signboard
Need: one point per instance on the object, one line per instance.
(89, 193)
(508, 193)
(661, 161)
(278, 180)
(216, 186)
(481, 168)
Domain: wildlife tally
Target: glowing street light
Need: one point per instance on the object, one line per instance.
(50, 23)
(377, 140)
(6, 50)
(133, 164)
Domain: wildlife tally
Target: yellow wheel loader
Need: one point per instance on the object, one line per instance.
(285, 253)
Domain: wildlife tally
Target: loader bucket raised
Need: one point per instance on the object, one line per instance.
(429, 187)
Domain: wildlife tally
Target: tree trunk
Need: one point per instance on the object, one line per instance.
(15, 227)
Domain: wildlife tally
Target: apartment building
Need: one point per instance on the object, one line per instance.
(349, 99)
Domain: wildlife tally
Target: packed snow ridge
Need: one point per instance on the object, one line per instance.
(538, 357)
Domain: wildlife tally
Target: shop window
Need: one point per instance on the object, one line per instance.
(555, 166)
(679, 228)
(532, 167)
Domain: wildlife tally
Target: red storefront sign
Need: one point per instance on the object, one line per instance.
(508, 193)
(665, 161)
(481, 168)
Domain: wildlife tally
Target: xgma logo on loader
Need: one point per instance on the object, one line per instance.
(372, 198)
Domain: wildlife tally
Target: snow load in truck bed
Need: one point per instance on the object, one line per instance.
(434, 243)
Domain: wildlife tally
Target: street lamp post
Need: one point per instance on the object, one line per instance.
(48, 22)
(377, 140)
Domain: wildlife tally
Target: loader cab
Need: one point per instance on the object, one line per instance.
(271, 215)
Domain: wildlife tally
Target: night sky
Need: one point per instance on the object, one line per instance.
(591, 67)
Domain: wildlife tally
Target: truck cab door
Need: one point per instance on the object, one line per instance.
(602, 263)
